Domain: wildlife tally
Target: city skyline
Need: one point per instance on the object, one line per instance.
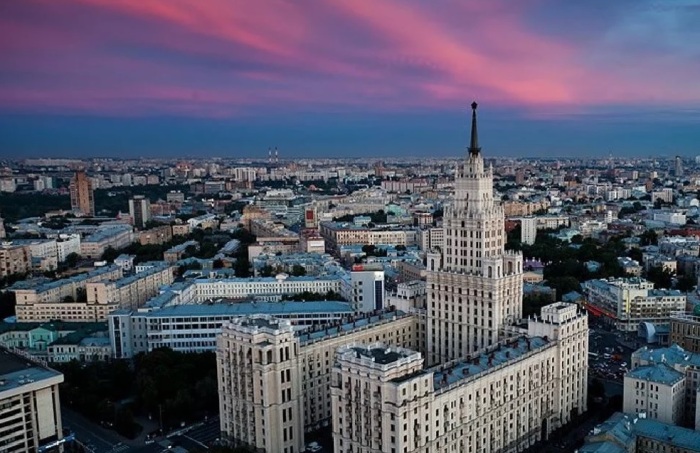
(349, 78)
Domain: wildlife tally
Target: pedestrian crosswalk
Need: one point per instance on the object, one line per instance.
(119, 448)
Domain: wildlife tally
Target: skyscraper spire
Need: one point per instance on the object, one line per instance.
(474, 143)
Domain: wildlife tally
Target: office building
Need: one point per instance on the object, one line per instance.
(140, 211)
(30, 418)
(82, 199)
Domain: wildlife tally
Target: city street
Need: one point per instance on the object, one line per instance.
(92, 436)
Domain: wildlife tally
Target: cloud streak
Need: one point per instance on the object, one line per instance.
(220, 58)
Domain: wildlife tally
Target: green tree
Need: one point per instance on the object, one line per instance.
(110, 254)
(298, 270)
(686, 283)
(662, 278)
(72, 259)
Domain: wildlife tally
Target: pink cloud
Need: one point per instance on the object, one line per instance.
(222, 57)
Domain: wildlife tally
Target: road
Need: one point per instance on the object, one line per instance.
(91, 435)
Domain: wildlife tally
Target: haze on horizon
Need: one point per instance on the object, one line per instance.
(353, 78)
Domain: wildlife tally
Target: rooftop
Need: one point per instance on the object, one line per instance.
(672, 355)
(251, 308)
(16, 371)
(445, 375)
(382, 356)
(360, 321)
(31, 284)
(658, 372)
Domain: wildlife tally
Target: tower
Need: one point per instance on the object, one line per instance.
(140, 211)
(678, 167)
(474, 285)
(82, 199)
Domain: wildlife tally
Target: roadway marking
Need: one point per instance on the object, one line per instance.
(195, 441)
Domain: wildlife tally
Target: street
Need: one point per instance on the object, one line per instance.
(91, 435)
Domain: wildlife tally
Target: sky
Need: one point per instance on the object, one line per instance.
(348, 78)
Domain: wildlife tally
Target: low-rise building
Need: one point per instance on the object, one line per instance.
(114, 236)
(157, 235)
(193, 328)
(14, 259)
(685, 331)
(630, 301)
(656, 390)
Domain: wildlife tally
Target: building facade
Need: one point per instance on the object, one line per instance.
(140, 211)
(474, 285)
(31, 412)
(685, 331)
(82, 199)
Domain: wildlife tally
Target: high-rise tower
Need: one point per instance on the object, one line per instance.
(82, 200)
(474, 285)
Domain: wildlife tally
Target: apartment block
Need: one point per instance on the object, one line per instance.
(31, 409)
(14, 259)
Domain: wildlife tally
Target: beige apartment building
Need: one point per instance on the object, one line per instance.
(105, 291)
(157, 235)
(133, 291)
(29, 293)
(311, 362)
(14, 259)
(504, 398)
(685, 331)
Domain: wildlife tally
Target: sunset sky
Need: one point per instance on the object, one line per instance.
(348, 77)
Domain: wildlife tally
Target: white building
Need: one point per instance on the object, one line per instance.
(474, 285)
(364, 287)
(67, 244)
(684, 362)
(528, 230)
(627, 302)
(31, 411)
(656, 390)
(193, 328)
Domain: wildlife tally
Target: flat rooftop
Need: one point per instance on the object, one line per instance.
(310, 335)
(252, 308)
(16, 371)
(382, 356)
(444, 376)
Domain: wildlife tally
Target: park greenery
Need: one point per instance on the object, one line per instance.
(308, 296)
(166, 386)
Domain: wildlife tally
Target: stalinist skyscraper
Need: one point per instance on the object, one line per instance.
(474, 286)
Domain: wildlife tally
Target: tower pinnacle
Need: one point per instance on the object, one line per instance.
(474, 143)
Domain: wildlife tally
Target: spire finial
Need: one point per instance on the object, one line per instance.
(474, 143)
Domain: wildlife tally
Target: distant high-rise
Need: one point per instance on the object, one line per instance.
(678, 167)
(82, 200)
(140, 210)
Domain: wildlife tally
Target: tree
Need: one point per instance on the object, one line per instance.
(69, 299)
(217, 264)
(662, 278)
(686, 283)
(72, 259)
(649, 237)
(110, 254)
(266, 271)
(298, 270)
